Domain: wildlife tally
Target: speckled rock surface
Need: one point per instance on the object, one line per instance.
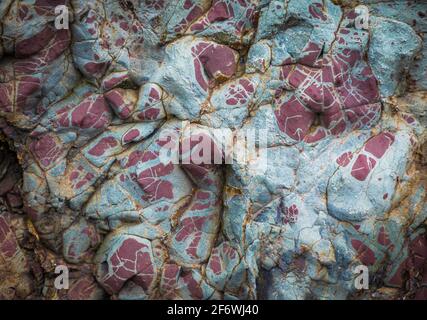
(341, 102)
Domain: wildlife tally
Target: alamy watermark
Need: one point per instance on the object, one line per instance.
(207, 146)
(62, 17)
(62, 281)
(62, 20)
(362, 19)
(361, 282)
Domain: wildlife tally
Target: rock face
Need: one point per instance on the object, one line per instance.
(325, 99)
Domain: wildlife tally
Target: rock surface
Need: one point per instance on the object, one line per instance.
(335, 93)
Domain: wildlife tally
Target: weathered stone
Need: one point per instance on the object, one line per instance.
(225, 149)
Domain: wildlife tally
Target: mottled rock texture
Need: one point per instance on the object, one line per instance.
(82, 184)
